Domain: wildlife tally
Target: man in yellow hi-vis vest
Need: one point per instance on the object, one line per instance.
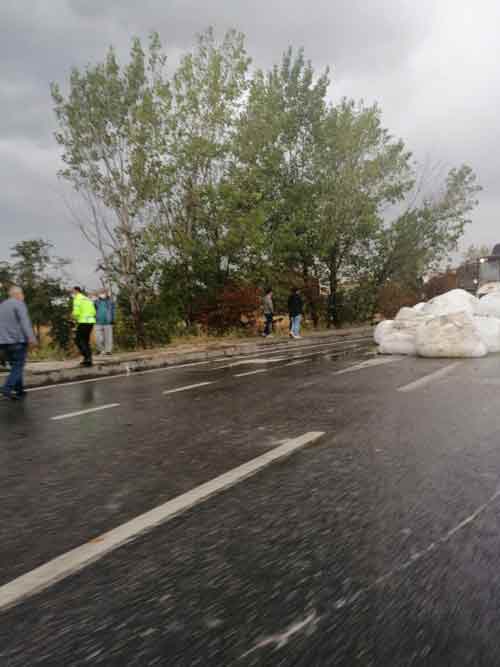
(84, 317)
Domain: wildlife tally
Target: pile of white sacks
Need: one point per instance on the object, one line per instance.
(455, 324)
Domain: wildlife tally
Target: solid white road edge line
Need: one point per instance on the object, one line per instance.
(421, 382)
(75, 560)
(85, 412)
(298, 362)
(187, 387)
(189, 364)
(124, 375)
(242, 375)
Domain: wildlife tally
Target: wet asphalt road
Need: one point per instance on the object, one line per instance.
(379, 545)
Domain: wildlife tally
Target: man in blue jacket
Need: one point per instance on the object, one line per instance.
(16, 334)
(105, 318)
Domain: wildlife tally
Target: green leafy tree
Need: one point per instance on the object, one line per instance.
(113, 129)
(420, 239)
(279, 136)
(210, 227)
(6, 279)
(361, 170)
(476, 252)
(219, 175)
(41, 276)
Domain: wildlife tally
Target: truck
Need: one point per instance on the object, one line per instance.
(481, 276)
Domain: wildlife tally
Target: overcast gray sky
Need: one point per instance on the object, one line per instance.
(431, 65)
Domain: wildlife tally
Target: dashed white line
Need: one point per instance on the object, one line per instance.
(421, 382)
(75, 560)
(242, 375)
(252, 361)
(368, 364)
(85, 412)
(187, 387)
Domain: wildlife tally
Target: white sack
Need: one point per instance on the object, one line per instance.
(489, 332)
(406, 314)
(419, 308)
(408, 320)
(398, 343)
(454, 301)
(451, 335)
(383, 329)
(489, 305)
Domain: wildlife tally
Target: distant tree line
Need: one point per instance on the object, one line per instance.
(220, 174)
(41, 274)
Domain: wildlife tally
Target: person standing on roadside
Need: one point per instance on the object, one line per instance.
(295, 310)
(268, 307)
(84, 317)
(16, 334)
(105, 318)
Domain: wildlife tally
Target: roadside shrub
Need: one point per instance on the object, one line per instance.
(392, 297)
(440, 284)
(232, 307)
(353, 304)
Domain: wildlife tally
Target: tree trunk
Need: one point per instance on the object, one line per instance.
(334, 294)
(136, 312)
(310, 297)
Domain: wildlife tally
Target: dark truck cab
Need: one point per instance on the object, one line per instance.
(481, 276)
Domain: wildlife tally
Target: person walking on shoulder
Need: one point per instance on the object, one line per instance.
(84, 317)
(105, 318)
(268, 307)
(295, 310)
(16, 334)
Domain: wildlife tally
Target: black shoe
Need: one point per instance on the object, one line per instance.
(9, 396)
(87, 364)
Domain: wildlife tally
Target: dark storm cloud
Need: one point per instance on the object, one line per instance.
(409, 56)
(354, 34)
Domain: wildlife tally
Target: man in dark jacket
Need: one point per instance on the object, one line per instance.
(295, 310)
(105, 318)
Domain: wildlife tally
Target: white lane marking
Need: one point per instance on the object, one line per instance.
(75, 560)
(187, 387)
(282, 347)
(297, 363)
(421, 382)
(242, 375)
(296, 355)
(124, 375)
(294, 350)
(417, 556)
(368, 364)
(281, 639)
(293, 346)
(245, 362)
(85, 412)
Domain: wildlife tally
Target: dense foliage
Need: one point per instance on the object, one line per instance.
(220, 175)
